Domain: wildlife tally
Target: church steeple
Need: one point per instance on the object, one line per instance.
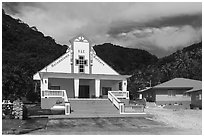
(81, 48)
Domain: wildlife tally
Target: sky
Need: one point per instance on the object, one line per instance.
(160, 28)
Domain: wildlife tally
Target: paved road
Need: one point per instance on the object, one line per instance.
(106, 126)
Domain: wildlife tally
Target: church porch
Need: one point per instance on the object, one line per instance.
(78, 86)
(84, 88)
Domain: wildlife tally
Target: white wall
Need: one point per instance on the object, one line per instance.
(109, 83)
(81, 48)
(172, 98)
(62, 64)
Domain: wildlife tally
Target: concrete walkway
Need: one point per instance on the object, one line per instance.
(93, 109)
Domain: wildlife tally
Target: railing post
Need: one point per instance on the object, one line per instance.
(122, 109)
(127, 97)
(67, 108)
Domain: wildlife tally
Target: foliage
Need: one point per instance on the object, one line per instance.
(33, 96)
(24, 52)
(7, 110)
(186, 63)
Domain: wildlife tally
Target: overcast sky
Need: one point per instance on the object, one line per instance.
(160, 28)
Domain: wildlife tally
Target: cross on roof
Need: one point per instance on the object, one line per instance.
(81, 62)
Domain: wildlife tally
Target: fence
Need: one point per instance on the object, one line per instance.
(121, 94)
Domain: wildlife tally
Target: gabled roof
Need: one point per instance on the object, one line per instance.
(180, 83)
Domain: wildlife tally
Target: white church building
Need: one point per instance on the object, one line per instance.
(79, 73)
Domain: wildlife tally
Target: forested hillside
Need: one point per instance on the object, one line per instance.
(186, 63)
(124, 60)
(24, 51)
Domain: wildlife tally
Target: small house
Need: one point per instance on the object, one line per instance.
(173, 92)
(196, 97)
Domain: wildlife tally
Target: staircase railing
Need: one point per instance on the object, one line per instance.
(121, 94)
(118, 104)
(115, 96)
(58, 93)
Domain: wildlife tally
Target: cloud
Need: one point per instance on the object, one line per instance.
(180, 20)
(137, 25)
(165, 38)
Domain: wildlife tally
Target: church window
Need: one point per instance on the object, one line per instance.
(81, 62)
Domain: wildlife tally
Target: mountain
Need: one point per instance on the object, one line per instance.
(124, 60)
(25, 51)
(185, 63)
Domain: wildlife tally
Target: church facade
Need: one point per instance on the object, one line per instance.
(80, 73)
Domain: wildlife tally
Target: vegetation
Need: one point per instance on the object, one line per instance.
(25, 51)
(186, 63)
(124, 60)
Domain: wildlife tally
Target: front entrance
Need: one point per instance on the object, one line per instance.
(83, 91)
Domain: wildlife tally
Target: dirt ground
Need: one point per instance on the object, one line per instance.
(186, 119)
(160, 121)
(106, 126)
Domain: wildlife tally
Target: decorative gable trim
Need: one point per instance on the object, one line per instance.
(70, 53)
(80, 38)
(55, 62)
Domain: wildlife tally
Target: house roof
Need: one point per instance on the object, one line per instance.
(180, 83)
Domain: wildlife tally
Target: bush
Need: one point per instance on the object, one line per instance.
(7, 110)
(33, 96)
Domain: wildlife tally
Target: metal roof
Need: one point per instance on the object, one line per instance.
(194, 89)
(180, 83)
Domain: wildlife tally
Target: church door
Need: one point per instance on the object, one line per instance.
(83, 91)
